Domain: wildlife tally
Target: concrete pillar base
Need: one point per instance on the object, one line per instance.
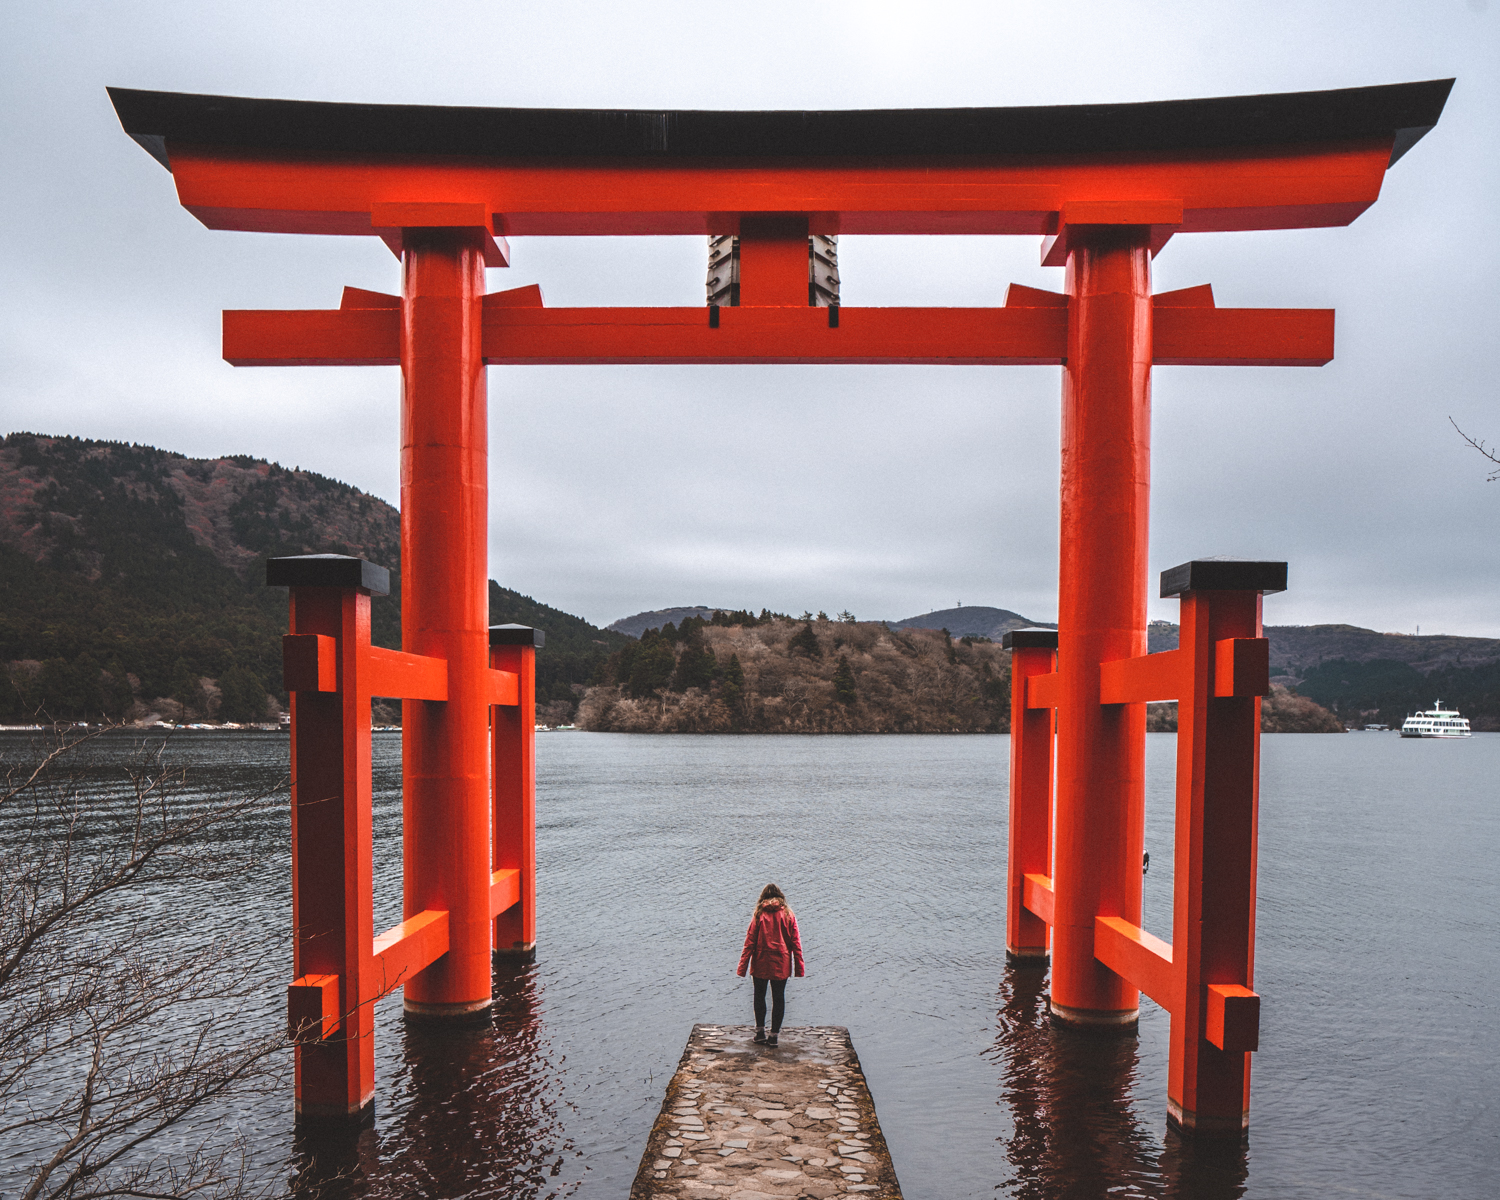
(1103, 1020)
(1201, 1125)
(519, 952)
(1026, 958)
(472, 1012)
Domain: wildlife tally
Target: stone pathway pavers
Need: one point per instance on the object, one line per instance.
(746, 1122)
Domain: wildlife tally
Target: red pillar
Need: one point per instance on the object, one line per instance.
(1033, 652)
(445, 773)
(1213, 919)
(513, 781)
(332, 870)
(1106, 444)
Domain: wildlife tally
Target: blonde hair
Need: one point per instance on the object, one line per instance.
(771, 897)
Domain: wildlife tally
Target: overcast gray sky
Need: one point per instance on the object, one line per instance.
(888, 491)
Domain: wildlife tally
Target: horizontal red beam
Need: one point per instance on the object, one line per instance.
(401, 676)
(1037, 894)
(1041, 690)
(1162, 676)
(505, 890)
(400, 952)
(962, 336)
(1017, 336)
(1242, 337)
(312, 1007)
(1232, 1018)
(1139, 958)
(1242, 667)
(313, 338)
(502, 687)
(1289, 187)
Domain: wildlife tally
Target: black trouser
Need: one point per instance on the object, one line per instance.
(778, 1003)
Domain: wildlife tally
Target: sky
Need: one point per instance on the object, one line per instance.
(886, 491)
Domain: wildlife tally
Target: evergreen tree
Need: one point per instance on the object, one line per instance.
(806, 642)
(653, 665)
(698, 664)
(186, 687)
(116, 689)
(844, 690)
(242, 697)
(617, 669)
(733, 690)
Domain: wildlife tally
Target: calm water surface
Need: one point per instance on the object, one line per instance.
(1376, 961)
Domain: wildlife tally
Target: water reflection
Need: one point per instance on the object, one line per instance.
(1077, 1130)
(477, 1114)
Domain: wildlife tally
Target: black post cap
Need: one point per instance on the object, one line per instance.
(1221, 574)
(1031, 638)
(328, 570)
(517, 635)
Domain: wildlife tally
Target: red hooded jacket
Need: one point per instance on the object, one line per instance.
(772, 944)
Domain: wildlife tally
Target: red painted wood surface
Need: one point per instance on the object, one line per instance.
(1213, 912)
(513, 796)
(332, 866)
(1106, 474)
(444, 558)
(1030, 819)
(1014, 336)
(1241, 188)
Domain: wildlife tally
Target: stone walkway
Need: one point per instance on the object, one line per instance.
(750, 1123)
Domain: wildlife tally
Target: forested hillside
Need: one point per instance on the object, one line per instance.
(131, 582)
(773, 674)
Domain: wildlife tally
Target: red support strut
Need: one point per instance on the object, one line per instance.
(1033, 659)
(1218, 784)
(513, 732)
(331, 847)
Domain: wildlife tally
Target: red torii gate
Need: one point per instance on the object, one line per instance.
(1104, 185)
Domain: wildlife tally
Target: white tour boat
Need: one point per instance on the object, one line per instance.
(1436, 722)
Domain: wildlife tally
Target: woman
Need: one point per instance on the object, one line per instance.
(772, 947)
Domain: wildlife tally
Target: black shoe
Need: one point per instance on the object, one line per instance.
(760, 1036)
(771, 1041)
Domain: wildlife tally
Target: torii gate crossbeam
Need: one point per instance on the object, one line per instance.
(1105, 186)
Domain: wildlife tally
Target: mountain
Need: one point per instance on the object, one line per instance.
(974, 621)
(131, 581)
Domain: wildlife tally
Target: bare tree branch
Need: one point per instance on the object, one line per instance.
(1483, 449)
(108, 1031)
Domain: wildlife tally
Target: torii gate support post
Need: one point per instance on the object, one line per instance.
(513, 780)
(444, 531)
(1106, 464)
(1033, 656)
(332, 865)
(1216, 1023)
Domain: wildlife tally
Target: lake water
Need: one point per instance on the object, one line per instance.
(1376, 960)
